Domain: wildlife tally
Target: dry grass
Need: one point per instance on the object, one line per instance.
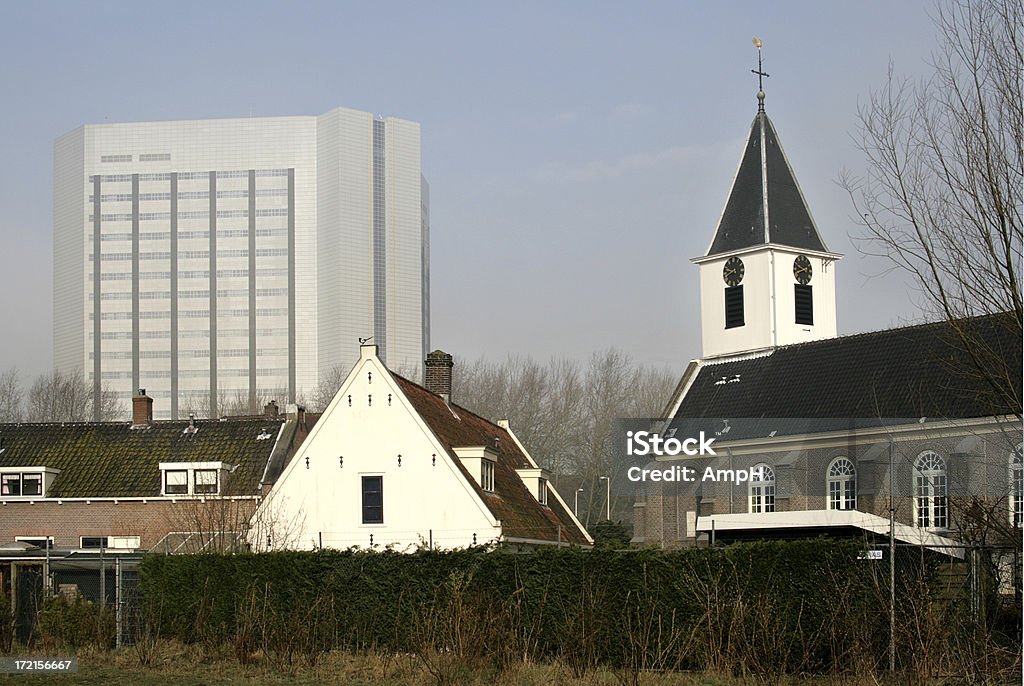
(181, 665)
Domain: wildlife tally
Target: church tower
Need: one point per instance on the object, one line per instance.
(767, 278)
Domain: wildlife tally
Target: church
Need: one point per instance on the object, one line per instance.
(840, 432)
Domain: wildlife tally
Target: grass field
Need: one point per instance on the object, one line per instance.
(188, 666)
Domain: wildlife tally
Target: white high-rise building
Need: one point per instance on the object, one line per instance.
(208, 261)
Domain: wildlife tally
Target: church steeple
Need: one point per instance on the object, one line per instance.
(765, 204)
(767, 278)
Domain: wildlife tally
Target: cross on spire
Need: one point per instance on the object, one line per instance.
(761, 75)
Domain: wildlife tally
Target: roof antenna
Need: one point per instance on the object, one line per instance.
(761, 75)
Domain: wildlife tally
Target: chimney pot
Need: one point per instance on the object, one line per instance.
(437, 374)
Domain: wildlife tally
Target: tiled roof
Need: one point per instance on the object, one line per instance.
(512, 503)
(765, 204)
(909, 372)
(114, 460)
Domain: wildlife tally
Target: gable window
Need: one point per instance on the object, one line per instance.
(733, 307)
(1017, 487)
(373, 500)
(542, 491)
(842, 485)
(206, 481)
(803, 296)
(761, 488)
(487, 475)
(930, 508)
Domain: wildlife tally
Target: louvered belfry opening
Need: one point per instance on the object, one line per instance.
(733, 307)
(804, 299)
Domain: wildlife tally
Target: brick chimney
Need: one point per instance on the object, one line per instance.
(270, 409)
(142, 409)
(437, 373)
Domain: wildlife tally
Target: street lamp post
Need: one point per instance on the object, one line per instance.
(608, 495)
(576, 504)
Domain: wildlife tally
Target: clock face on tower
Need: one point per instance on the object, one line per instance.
(802, 269)
(733, 271)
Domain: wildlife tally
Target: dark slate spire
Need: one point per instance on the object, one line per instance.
(765, 204)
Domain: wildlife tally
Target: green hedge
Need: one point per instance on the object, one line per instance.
(779, 606)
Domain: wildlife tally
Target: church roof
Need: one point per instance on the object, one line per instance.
(910, 372)
(765, 204)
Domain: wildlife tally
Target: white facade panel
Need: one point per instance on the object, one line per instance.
(251, 302)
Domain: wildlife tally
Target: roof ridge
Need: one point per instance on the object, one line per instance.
(909, 327)
(456, 405)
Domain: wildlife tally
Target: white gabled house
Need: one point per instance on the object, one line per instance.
(393, 464)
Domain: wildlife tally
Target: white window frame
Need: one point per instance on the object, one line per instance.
(841, 483)
(20, 474)
(1016, 483)
(931, 491)
(761, 492)
(542, 491)
(105, 545)
(196, 485)
(167, 484)
(33, 539)
(487, 475)
(190, 469)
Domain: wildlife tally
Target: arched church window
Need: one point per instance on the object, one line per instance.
(842, 485)
(1017, 486)
(931, 509)
(761, 489)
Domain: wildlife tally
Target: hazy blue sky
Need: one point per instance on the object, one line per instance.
(579, 153)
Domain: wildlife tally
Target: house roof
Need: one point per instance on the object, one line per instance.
(765, 204)
(114, 460)
(909, 372)
(512, 503)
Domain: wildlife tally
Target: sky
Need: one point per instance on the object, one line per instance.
(578, 153)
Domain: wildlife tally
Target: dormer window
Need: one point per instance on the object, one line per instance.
(536, 481)
(191, 478)
(487, 475)
(479, 461)
(176, 482)
(26, 482)
(10, 484)
(206, 481)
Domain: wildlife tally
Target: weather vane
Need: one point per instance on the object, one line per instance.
(761, 74)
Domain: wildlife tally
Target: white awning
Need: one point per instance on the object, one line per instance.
(811, 519)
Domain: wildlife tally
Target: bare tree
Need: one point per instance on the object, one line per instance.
(65, 397)
(941, 194)
(564, 414)
(10, 396)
